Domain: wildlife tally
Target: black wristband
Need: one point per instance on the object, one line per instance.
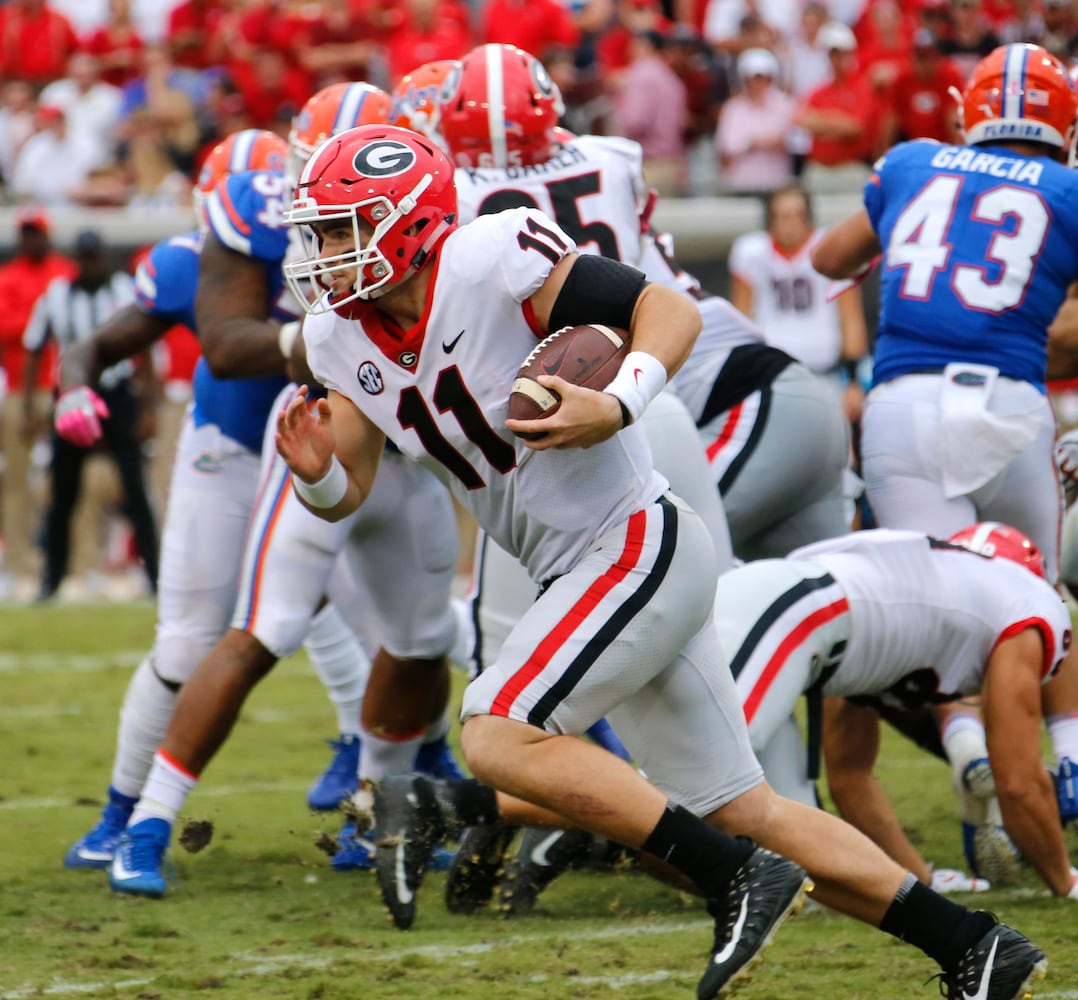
(626, 416)
(850, 368)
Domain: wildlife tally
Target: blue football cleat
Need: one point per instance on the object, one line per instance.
(1066, 790)
(340, 779)
(436, 760)
(96, 848)
(136, 867)
(991, 854)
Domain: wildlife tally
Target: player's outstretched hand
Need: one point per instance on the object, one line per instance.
(305, 436)
(585, 418)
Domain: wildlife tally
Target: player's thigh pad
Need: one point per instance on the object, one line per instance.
(778, 623)
(503, 593)
(686, 732)
(213, 489)
(679, 456)
(778, 457)
(403, 549)
(602, 631)
(287, 563)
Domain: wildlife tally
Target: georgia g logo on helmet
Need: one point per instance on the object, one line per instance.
(383, 158)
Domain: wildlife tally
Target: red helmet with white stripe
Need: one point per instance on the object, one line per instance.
(1020, 93)
(500, 109)
(990, 538)
(395, 188)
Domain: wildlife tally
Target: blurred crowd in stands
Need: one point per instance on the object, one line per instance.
(114, 102)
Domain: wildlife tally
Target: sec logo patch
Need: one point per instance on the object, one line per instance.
(370, 378)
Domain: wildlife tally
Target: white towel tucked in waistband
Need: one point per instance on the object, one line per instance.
(977, 443)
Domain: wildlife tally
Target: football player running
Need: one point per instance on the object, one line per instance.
(623, 626)
(978, 245)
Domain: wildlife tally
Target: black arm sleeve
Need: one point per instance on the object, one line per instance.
(597, 290)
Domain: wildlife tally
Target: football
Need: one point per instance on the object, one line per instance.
(588, 355)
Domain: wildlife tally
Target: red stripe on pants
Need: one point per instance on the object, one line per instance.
(778, 659)
(585, 605)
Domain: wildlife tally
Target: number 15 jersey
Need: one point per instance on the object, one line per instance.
(980, 246)
(440, 392)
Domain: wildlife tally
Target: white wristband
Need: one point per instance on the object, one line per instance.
(328, 491)
(286, 338)
(639, 380)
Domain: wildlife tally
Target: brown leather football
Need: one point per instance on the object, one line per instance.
(588, 355)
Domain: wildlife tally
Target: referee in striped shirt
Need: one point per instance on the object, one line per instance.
(70, 311)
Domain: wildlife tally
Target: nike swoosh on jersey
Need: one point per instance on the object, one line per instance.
(986, 976)
(448, 348)
(404, 893)
(539, 854)
(735, 938)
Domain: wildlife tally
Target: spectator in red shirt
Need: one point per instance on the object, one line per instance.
(841, 117)
(117, 45)
(432, 30)
(22, 280)
(335, 45)
(885, 53)
(533, 25)
(634, 16)
(272, 90)
(919, 104)
(190, 26)
(35, 41)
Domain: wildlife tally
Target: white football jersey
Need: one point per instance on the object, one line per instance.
(926, 615)
(593, 187)
(441, 392)
(789, 299)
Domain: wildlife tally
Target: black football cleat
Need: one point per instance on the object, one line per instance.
(410, 826)
(1003, 965)
(764, 891)
(544, 855)
(477, 867)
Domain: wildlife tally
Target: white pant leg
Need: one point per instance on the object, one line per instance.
(212, 494)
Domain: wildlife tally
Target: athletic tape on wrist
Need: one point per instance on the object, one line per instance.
(639, 380)
(328, 491)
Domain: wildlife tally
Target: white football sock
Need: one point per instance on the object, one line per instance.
(439, 729)
(165, 790)
(341, 665)
(964, 742)
(379, 757)
(144, 718)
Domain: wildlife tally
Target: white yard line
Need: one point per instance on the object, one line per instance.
(62, 663)
(211, 791)
(249, 966)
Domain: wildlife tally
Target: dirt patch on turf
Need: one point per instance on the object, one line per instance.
(196, 835)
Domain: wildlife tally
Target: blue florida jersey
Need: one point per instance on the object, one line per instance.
(245, 213)
(979, 248)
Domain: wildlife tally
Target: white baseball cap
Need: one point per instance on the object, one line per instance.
(836, 35)
(757, 62)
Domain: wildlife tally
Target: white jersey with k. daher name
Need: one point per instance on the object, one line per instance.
(926, 615)
(440, 392)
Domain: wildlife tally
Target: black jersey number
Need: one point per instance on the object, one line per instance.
(565, 195)
(452, 396)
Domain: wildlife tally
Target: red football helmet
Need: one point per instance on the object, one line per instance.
(332, 110)
(1021, 93)
(393, 183)
(500, 109)
(249, 149)
(416, 100)
(990, 538)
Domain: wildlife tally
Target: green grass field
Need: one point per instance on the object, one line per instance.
(259, 913)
